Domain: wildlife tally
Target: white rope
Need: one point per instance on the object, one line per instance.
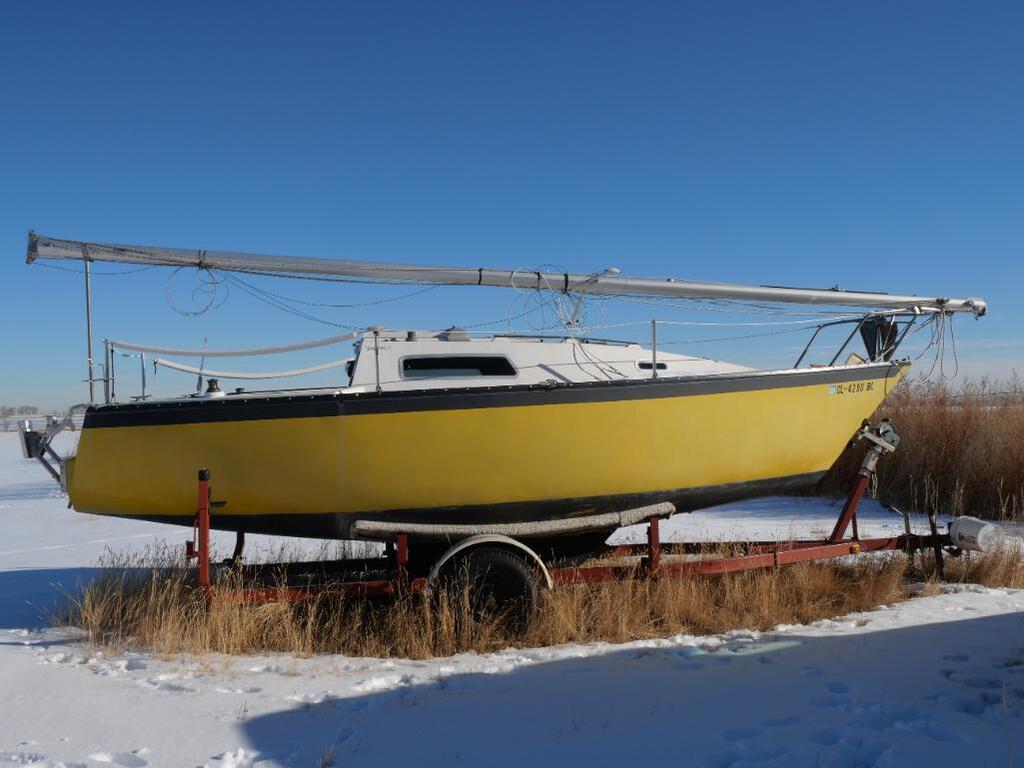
(237, 375)
(232, 352)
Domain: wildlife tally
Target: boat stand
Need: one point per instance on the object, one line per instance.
(391, 575)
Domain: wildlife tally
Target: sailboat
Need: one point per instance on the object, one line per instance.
(429, 432)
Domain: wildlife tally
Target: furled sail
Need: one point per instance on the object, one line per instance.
(606, 284)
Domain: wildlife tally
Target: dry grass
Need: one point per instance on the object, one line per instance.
(154, 605)
(1001, 568)
(962, 451)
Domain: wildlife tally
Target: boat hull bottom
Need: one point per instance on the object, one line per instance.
(338, 525)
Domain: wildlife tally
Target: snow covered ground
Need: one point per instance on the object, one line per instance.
(934, 681)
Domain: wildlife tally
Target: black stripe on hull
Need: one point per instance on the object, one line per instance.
(336, 525)
(249, 408)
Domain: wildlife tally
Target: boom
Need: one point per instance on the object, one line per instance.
(42, 247)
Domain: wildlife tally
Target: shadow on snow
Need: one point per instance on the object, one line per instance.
(932, 694)
(29, 596)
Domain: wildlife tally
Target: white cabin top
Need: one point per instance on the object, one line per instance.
(405, 360)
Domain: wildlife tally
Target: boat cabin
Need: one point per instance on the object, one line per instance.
(406, 360)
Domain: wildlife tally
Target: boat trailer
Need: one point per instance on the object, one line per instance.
(395, 574)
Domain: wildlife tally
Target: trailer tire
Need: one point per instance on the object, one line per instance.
(492, 583)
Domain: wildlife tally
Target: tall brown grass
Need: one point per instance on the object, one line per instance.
(962, 451)
(154, 605)
(1002, 568)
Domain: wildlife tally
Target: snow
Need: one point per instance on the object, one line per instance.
(932, 681)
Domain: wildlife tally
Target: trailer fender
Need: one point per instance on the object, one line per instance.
(493, 539)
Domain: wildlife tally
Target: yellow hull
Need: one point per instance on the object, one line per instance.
(506, 455)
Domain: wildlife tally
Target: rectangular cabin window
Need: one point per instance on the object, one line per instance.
(645, 365)
(456, 366)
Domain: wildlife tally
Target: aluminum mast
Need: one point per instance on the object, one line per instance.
(42, 247)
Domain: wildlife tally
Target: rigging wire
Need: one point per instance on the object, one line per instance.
(207, 286)
(732, 338)
(952, 344)
(331, 278)
(732, 306)
(378, 302)
(94, 272)
(719, 324)
(260, 295)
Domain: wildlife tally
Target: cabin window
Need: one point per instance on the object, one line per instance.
(456, 366)
(645, 365)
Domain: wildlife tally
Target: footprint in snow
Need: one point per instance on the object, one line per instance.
(688, 652)
(237, 759)
(745, 752)
(986, 683)
(862, 753)
(131, 759)
(834, 686)
(828, 737)
(832, 702)
(781, 722)
(740, 734)
(345, 732)
(811, 671)
(158, 685)
(21, 758)
(309, 699)
(976, 706)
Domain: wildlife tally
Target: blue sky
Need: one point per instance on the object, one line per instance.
(869, 145)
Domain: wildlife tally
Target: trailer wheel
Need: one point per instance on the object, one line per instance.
(492, 583)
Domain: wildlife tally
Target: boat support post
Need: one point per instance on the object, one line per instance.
(199, 546)
(653, 559)
(940, 563)
(883, 439)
